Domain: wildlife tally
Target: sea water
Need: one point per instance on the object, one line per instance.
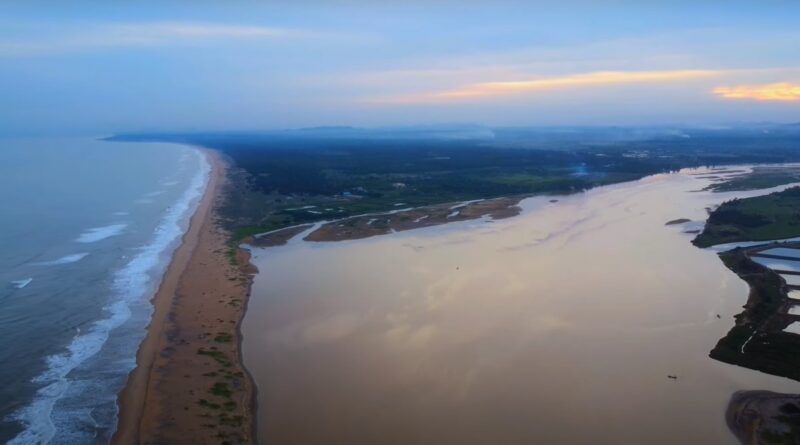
(87, 230)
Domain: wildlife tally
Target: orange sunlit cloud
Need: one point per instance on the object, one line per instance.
(505, 88)
(783, 91)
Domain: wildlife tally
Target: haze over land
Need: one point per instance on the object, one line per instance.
(98, 69)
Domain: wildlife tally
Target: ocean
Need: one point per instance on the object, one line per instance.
(87, 231)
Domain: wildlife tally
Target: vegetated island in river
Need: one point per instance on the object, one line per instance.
(758, 340)
(365, 226)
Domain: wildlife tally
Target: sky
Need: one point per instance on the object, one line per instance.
(89, 67)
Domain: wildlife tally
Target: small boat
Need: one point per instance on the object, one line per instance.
(673, 377)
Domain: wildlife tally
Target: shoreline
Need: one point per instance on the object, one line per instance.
(190, 384)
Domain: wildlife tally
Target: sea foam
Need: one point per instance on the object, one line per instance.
(19, 284)
(100, 233)
(67, 259)
(132, 283)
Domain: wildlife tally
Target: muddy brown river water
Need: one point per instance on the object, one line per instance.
(558, 326)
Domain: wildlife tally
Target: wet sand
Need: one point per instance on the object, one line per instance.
(189, 386)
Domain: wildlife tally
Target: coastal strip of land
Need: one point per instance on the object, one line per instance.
(189, 386)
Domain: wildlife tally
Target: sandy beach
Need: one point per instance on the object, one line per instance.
(189, 386)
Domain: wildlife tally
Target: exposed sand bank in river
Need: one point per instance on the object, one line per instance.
(365, 226)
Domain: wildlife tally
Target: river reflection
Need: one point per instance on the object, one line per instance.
(556, 326)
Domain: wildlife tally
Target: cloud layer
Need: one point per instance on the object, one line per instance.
(121, 35)
(782, 92)
(229, 65)
(505, 88)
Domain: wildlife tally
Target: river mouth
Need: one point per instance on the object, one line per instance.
(561, 325)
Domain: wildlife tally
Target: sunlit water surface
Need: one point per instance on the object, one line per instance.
(558, 326)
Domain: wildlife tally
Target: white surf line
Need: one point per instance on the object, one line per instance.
(95, 234)
(19, 284)
(67, 259)
(130, 285)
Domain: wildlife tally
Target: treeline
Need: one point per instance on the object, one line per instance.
(319, 167)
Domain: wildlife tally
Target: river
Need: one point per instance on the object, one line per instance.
(558, 326)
